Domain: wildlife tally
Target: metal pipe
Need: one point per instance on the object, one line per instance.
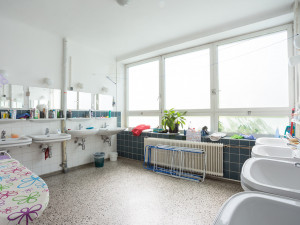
(64, 164)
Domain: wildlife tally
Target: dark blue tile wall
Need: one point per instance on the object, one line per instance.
(235, 152)
(85, 114)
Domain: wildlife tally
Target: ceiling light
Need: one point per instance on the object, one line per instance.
(122, 2)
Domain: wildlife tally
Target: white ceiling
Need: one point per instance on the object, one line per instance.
(117, 31)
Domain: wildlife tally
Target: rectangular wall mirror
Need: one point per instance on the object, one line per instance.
(72, 100)
(17, 96)
(45, 96)
(5, 96)
(85, 101)
(105, 102)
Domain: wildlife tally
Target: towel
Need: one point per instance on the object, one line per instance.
(138, 129)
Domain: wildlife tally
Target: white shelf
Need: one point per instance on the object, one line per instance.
(103, 118)
(11, 120)
(79, 119)
(45, 120)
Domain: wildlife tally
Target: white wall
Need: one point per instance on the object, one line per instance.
(29, 55)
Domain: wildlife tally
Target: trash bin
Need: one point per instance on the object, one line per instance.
(99, 159)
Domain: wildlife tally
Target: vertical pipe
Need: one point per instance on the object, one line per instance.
(64, 103)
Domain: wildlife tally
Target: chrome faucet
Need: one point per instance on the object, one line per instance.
(3, 133)
(47, 131)
(80, 126)
(105, 125)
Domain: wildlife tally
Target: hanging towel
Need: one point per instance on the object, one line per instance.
(138, 129)
(47, 153)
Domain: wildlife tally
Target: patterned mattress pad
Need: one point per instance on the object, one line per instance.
(23, 194)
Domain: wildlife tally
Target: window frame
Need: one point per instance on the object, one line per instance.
(215, 111)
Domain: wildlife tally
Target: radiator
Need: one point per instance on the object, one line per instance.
(214, 152)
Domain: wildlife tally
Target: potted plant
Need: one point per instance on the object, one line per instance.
(173, 119)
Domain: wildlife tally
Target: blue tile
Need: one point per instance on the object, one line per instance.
(226, 156)
(252, 143)
(226, 149)
(234, 176)
(135, 156)
(234, 167)
(244, 151)
(243, 158)
(244, 143)
(226, 166)
(226, 174)
(234, 158)
(234, 142)
(234, 150)
(225, 141)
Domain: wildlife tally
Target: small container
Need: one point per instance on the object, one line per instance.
(109, 114)
(113, 156)
(99, 159)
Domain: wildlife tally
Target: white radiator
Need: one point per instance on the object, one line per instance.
(214, 153)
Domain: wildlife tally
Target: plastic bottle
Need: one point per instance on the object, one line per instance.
(277, 133)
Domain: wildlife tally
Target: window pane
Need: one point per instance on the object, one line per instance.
(85, 100)
(254, 72)
(144, 86)
(197, 122)
(153, 121)
(188, 81)
(252, 125)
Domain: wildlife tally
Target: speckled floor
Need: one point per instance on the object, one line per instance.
(124, 193)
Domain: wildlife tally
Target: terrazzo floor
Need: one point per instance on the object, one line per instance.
(124, 193)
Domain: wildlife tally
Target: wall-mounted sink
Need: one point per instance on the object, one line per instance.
(250, 208)
(271, 176)
(276, 153)
(83, 132)
(50, 138)
(281, 142)
(110, 131)
(14, 142)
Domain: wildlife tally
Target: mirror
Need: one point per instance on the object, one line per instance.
(17, 96)
(105, 102)
(11, 96)
(5, 96)
(45, 96)
(72, 100)
(85, 101)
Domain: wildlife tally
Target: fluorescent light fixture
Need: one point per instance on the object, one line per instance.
(294, 60)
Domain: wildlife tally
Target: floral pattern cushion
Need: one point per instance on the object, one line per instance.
(23, 195)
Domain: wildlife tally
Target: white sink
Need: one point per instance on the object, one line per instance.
(109, 131)
(271, 176)
(249, 208)
(50, 138)
(281, 142)
(83, 133)
(276, 153)
(14, 142)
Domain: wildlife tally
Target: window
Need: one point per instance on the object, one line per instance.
(188, 81)
(253, 73)
(238, 85)
(153, 121)
(143, 86)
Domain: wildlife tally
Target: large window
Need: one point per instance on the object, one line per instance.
(251, 70)
(188, 81)
(238, 85)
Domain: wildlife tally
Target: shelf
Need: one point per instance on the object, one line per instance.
(79, 119)
(45, 120)
(103, 118)
(11, 120)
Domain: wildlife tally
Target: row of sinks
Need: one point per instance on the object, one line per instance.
(272, 187)
(55, 138)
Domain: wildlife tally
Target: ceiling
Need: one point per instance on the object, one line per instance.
(117, 31)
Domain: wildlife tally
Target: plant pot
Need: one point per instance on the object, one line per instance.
(175, 131)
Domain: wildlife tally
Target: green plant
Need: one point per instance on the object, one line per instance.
(173, 119)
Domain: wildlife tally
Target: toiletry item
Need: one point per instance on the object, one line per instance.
(14, 136)
(46, 114)
(51, 115)
(109, 114)
(90, 113)
(36, 114)
(54, 114)
(277, 133)
(292, 124)
(69, 114)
